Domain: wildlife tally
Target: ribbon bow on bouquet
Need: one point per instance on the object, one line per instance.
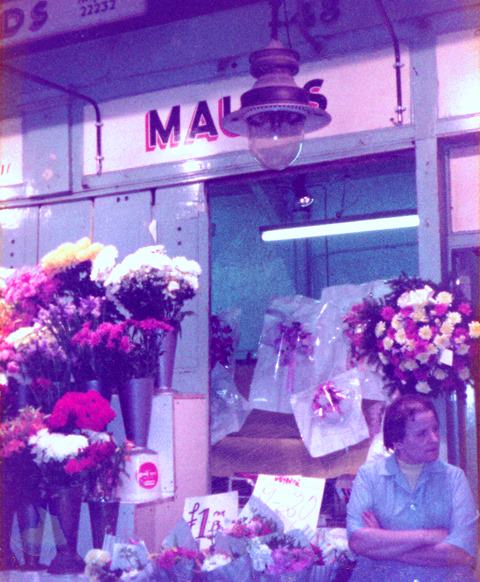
(327, 400)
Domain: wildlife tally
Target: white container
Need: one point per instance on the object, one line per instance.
(141, 483)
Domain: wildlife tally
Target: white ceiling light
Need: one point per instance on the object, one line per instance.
(351, 225)
(276, 112)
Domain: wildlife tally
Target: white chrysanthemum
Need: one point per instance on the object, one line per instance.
(97, 437)
(454, 317)
(423, 387)
(409, 345)
(422, 358)
(419, 314)
(400, 336)
(464, 374)
(186, 266)
(425, 332)
(380, 328)
(191, 281)
(215, 561)
(447, 328)
(387, 343)
(442, 341)
(49, 446)
(260, 554)
(415, 297)
(409, 365)
(152, 257)
(432, 349)
(21, 334)
(4, 275)
(474, 329)
(383, 358)
(396, 322)
(104, 263)
(444, 298)
(439, 374)
(462, 349)
(172, 288)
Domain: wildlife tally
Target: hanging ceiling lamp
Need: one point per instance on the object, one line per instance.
(276, 113)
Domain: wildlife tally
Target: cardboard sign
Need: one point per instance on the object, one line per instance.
(295, 500)
(209, 513)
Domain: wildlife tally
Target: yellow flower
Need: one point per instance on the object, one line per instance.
(444, 297)
(82, 244)
(69, 254)
(474, 329)
(425, 332)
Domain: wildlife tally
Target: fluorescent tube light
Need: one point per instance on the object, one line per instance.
(351, 225)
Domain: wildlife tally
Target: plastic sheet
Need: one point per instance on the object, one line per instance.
(229, 408)
(296, 349)
(336, 431)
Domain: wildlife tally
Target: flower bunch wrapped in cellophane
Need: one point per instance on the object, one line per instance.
(149, 283)
(419, 336)
(288, 556)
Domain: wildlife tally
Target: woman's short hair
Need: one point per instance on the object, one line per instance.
(397, 414)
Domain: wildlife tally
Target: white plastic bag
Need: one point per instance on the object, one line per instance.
(229, 408)
(295, 349)
(331, 427)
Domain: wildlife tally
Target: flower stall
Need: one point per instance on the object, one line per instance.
(82, 364)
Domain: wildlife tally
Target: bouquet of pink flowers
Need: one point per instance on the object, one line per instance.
(419, 337)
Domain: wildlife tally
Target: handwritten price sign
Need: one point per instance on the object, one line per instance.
(207, 514)
(293, 499)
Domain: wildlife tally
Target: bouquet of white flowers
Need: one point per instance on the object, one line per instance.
(148, 283)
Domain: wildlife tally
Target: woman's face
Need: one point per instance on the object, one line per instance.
(421, 443)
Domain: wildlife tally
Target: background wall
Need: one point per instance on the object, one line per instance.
(248, 273)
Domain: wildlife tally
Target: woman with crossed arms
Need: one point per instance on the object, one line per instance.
(411, 517)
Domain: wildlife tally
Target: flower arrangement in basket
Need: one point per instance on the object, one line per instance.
(74, 442)
(419, 336)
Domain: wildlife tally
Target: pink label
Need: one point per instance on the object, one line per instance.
(147, 475)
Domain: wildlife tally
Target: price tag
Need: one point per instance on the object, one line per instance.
(295, 500)
(207, 514)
